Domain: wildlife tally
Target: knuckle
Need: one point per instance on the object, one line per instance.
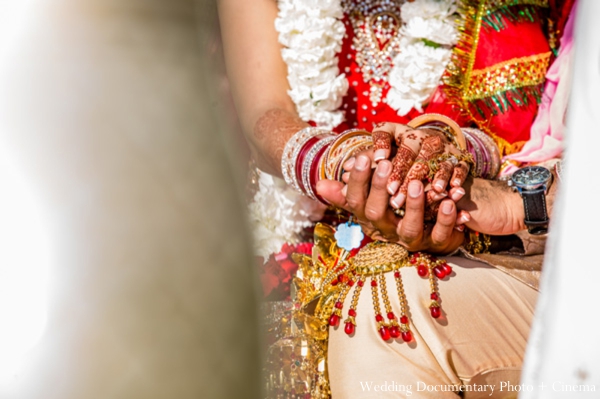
(373, 214)
(353, 202)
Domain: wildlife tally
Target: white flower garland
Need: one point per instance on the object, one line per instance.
(278, 214)
(420, 65)
(312, 33)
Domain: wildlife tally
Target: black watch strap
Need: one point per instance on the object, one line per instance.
(536, 214)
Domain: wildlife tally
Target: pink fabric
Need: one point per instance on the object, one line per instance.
(548, 128)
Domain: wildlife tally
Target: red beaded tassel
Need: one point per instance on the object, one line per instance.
(350, 322)
(404, 327)
(334, 319)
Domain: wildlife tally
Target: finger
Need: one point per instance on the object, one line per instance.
(417, 172)
(382, 144)
(463, 217)
(409, 143)
(331, 190)
(411, 227)
(460, 174)
(456, 193)
(345, 177)
(432, 147)
(408, 135)
(376, 210)
(442, 176)
(444, 226)
(432, 197)
(358, 186)
(349, 164)
(400, 167)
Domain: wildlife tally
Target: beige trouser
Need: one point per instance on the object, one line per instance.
(479, 340)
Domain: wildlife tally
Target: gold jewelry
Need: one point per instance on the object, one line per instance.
(445, 124)
(478, 243)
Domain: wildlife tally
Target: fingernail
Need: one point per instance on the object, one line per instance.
(458, 194)
(460, 228)
(379, 155)
(456, 182)
(463, 218)
(383, 169)
(393, 187)
(414, 189)
(349, 164)
(362, 162)
(398, 200)
(344, 190)
(439, 185)
(346, 177)
(447, 208)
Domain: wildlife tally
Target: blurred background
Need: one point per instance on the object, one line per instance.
(125, 266)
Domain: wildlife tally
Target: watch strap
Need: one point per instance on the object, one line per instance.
(536, 213)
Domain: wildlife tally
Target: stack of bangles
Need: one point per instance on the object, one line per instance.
(314, 153)
(484, 151)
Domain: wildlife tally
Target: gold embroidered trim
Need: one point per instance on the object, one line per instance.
(507, 75)
(494, 5)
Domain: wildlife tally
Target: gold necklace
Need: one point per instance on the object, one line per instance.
(376, 25)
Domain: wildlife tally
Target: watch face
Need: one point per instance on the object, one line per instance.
(531, 177)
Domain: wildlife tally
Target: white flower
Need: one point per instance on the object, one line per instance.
(428, 9)
(439, 31)
(419, 67)
(415, 76)
(312, 32)
(278, 214)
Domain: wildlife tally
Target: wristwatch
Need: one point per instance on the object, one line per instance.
(532, 183)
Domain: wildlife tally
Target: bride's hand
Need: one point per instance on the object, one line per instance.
(415, 151)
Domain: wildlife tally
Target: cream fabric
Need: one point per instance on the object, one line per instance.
(479, 339)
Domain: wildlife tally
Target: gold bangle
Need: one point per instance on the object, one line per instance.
(454, 130)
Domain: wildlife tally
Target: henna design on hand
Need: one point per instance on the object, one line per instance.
(271, 132)
(444, 172)
(402, 163)
(381, 140)
(460, 172)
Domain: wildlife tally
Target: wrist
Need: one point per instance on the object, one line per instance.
(494, 208)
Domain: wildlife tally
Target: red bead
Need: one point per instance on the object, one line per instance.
(397, 274)
(360, 283)
(352, 313)
(350, 283)
(384, 331)
(447, 269)
(404, 320)
(394, 331)
(334, 320)
(373, 283)
(379, 317)
(334, 282)
(422, 270)
(435, 312)
(439, 272)
(349, 328)
(434, 296)
(413, 260)
(338, 305)
(407, 336)
(391, 315)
